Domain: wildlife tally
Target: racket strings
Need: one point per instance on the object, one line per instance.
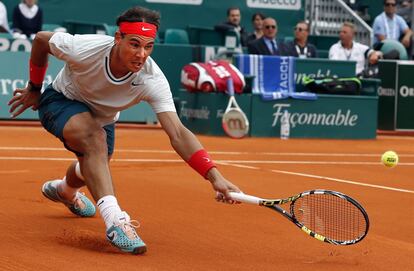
(333, 217)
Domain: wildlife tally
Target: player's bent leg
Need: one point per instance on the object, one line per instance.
(122, 234)
(72, 122)
(95, 144)
(83, 135)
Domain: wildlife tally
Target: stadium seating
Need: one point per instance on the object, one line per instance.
(52, 27)
(204, 35)
(176, 36)
(84, 27)
(110, 29)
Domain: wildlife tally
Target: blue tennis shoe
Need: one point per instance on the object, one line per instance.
(80, 206)
(122, 234)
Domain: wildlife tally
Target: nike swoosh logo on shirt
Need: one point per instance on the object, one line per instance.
(136, 84)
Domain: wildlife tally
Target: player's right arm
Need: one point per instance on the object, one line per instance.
(29, 96)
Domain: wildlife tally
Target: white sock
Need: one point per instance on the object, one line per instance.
(66, 191)
(109, 208)
(78, 172)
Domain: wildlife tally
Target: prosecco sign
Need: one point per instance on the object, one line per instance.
(275, 4)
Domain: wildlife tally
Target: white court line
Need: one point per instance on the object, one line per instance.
(331, 179)
(235, 165)
(73, 159)
(226, 162)
(217, 161)
(342, 181)
(219, 152)
(309, 162)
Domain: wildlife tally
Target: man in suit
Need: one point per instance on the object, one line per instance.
(300, 47)
(267, 45)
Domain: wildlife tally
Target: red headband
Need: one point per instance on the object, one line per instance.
(138, 28)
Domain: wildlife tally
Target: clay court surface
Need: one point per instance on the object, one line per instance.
(182, 224)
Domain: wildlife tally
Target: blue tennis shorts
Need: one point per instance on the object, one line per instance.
(55, 110)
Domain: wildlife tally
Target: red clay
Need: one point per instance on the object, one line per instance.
(184, 227)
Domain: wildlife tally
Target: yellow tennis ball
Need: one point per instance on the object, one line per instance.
(389, 159)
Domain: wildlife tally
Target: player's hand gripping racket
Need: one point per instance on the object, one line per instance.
(328, 216)
(234, 121)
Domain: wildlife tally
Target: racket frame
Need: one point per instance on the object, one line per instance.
(233, 106)
(273, 205)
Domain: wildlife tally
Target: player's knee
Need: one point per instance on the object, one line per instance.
(95, 140)
(87, 140)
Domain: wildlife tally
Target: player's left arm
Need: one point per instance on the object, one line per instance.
(190, 149)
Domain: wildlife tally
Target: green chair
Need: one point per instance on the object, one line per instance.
(389, 45)
(176, 36)
(205, 35)
(287, 39)
(84, 27)
(110, 29)
(51, 27)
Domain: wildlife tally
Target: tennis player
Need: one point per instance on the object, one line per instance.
(102, 76)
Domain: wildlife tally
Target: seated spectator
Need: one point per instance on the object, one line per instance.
(257, 21)
(4, 24)
(300, 47)
(348, 49)
(27, 19)
(405, 11)
(389, 25)
(267, 45)
(233, 23)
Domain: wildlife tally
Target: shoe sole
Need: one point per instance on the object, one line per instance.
(139, 250)
(135, 251)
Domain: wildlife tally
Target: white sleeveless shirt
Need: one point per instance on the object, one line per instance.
(86, 77)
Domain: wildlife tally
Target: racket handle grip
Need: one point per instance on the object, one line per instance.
(230, 86)
(245, 198)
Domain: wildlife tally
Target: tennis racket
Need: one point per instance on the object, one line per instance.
(235, 123)
(328, 216)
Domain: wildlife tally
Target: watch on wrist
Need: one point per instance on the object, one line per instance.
(34, 87)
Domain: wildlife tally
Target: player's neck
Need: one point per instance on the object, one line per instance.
(115, 64)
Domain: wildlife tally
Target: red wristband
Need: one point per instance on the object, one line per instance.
(201, 162)
(37, 74)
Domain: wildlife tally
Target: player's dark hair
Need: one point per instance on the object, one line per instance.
(140, 14)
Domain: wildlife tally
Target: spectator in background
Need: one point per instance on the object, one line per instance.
(348, 49)
(405, 11)
(4, 23)
(300, 47)
(267, 45)
(389, 25)
(27, 19)
(233, 23)
(257, 21)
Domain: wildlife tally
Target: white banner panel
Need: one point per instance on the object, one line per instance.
(275, 4)
(180, 2)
